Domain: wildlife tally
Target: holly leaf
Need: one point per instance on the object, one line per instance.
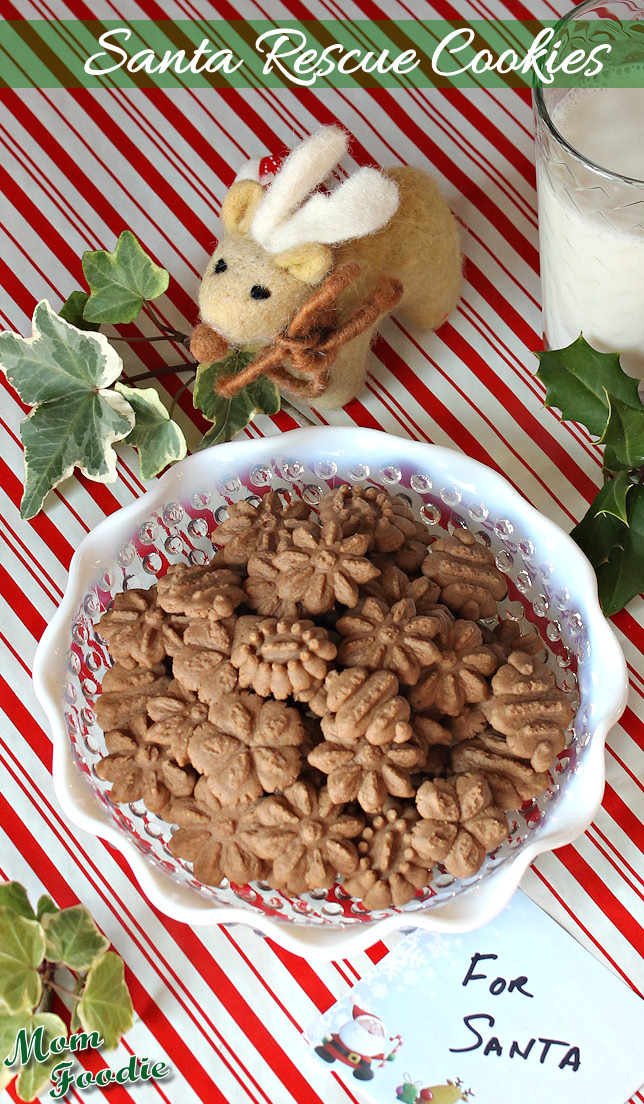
(624, 432)
(621, 577)
(615, 494)
(159, 440)
(105, 1005)
(67, 372)
(45, 904)
(22, 949)
(120, 281)
(14, 896)
(34, 1075)
(610, 464)
(577, 380)
(73, 308)
(229, 416)
(72, 938)
(600, 530)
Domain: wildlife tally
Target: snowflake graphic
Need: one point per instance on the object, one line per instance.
(439, 947)
(391, 967)
(409, 957)
(411, 949)
(379, 990)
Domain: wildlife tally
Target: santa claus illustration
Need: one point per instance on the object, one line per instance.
(358, 1041)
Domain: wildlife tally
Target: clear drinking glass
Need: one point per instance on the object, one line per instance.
(590, 182)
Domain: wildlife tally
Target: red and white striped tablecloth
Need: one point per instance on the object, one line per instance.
(225, 1007)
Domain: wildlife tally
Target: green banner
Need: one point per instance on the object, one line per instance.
(319, 53)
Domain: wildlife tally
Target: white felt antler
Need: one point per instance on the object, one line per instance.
(304, 168)
(362, 204)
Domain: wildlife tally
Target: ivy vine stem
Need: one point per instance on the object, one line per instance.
(172, 335)
(62, 990)
(156, 373)
(175, 398)
(46, 971)
(156, 317)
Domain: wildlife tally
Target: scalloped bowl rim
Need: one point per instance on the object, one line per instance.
(484, 900)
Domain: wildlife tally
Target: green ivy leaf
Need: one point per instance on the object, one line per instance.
(45, 904)
(73, 308)
(577, 379)
(205, 398)
(265, 394)
(120, 281)
(231, 415)
(105, 1005)
(14, 896)
(22, 949)
(34, 1076)
(621, 577)
(72, 937)
(158, 439)
(67, 372)
(624, 432)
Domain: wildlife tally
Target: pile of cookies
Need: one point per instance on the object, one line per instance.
(324, 699)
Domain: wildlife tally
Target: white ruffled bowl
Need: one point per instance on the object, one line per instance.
(550, 582)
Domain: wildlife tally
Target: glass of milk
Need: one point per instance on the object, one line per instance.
(590, 183)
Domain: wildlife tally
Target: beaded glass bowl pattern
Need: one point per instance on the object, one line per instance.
(550, 582)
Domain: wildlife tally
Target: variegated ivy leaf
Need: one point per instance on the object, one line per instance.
(72, 938)
(105, 1005)
(159, 440)
(34, 1075)
(10, 1024)
(67, 372)
(6, 1077)
(22, 949)
(120, 281)
(231, 415)
(45, 904)
(14, 896)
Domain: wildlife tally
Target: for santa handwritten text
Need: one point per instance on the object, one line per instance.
(543, 1047)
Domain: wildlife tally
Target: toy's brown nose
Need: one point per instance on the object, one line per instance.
(258, 292)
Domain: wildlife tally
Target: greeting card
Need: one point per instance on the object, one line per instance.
(516, 1010)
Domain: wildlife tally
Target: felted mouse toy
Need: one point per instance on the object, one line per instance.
(302, 276)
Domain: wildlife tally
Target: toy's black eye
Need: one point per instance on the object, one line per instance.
(258, 292)
(221, 265)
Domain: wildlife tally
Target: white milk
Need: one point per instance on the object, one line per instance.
(591, 242)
